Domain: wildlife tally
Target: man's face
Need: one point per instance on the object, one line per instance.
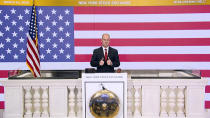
(105, 40)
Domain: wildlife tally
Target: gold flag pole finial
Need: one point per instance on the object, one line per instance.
(33, 2)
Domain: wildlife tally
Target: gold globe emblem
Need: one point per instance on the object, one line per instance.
(104, 104)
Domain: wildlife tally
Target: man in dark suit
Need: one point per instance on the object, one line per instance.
(105, 58)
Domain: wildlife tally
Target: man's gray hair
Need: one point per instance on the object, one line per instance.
(105, 34)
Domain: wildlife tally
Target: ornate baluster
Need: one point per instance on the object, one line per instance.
(137, 102)
(28, 102)
(45, 112)
(163, 104)
(140, 100)
(132, 100)
(79, 98)
(180, 101)
(129, 102)
(71, 98)
(36, 101)
(172, 101)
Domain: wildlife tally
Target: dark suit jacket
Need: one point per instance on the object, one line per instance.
(98, 54)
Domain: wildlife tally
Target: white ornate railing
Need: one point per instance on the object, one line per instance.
(166, 98)
(62, 98)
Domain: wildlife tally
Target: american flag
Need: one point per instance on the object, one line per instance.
(147, 37)
(55, 26)
(32, 58)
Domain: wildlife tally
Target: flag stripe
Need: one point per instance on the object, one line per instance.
(32, 55)
(207, 90)
(32, 66)
(208, 83)
(29, 64)
(151, 49)
(205, 73)
(207, 104)
(32, 61)
(123, 65)
(2, 106)
(143, 9)
(32, 43)
(137, 18)
(2, 97)
(143, 26)
(207, 96)
(1, 89)
(4, 73)
(143, 34)
(147, 42)
(153, 57)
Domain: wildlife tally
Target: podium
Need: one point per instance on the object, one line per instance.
(115, 82)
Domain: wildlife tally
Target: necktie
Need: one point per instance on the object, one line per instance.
(105, 54)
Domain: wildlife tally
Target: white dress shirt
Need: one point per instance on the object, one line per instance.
(104, 50)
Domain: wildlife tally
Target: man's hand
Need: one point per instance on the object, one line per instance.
(101, 63)
(109, 62)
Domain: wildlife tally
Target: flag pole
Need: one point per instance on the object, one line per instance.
(35, 22)
(33, 3)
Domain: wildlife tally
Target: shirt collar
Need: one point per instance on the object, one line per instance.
(105, 48)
